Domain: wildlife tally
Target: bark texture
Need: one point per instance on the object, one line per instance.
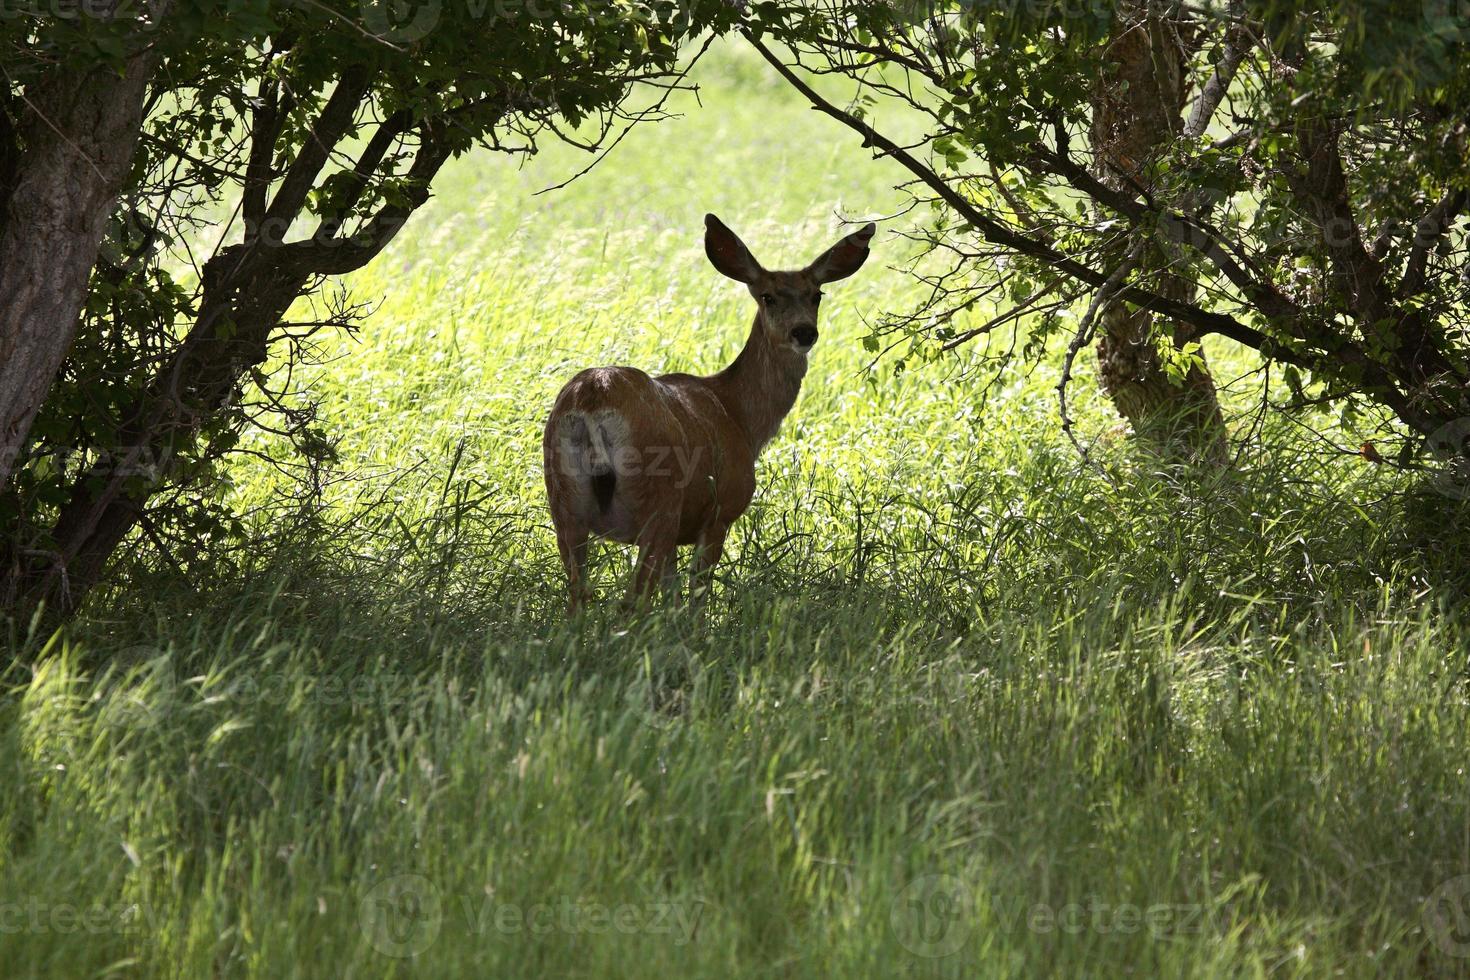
(247, 289)
(67, 156)
(1137, 110)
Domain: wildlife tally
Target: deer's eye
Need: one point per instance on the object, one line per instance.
(767, 298)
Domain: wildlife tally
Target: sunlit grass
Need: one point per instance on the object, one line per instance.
(962, 706)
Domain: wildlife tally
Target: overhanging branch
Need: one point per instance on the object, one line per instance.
(1204, 321)
(326, 132)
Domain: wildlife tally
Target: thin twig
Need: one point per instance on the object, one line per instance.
(638, 117)
(1085, 330)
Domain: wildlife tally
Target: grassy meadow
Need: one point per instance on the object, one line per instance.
(962, 705)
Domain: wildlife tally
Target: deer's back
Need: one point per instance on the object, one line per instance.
(673, 447)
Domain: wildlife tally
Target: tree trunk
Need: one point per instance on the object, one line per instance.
(68, 155)
(1136, 112)
(247, 289)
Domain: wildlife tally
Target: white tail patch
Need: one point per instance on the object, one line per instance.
(590, 442)
(670, 461)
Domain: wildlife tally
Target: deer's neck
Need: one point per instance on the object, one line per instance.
(760, 386)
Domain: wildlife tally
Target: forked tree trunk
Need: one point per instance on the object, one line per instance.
(246, 290)
(1136, 112)
(69, 154)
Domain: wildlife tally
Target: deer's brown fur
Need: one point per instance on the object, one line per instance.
(669, 461)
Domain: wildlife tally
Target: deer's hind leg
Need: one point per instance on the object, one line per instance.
(657, 568)
(707, 553)
(572, 543)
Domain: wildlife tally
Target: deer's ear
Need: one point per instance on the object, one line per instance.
(844, 258)
(727, 252)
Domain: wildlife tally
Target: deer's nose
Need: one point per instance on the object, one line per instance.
(804, 336)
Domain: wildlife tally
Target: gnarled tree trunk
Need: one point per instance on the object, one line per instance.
(247, 289)
(1136, 112)
(65, 160)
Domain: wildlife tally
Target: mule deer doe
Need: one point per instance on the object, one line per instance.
(669, 461)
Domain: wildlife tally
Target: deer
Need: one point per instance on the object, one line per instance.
(669, 461)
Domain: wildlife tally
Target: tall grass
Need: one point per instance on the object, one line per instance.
(962, 705)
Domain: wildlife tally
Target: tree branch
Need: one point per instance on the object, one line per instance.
(1323, 192)
(325, 255)
(1428, 230)
(1100, 302)
(1212, 93)
(1337, 351)
(330, 126)
(367, 164)
(1204, 321)
(264, 130)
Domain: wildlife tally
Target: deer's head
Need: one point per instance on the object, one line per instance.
(788, 301)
